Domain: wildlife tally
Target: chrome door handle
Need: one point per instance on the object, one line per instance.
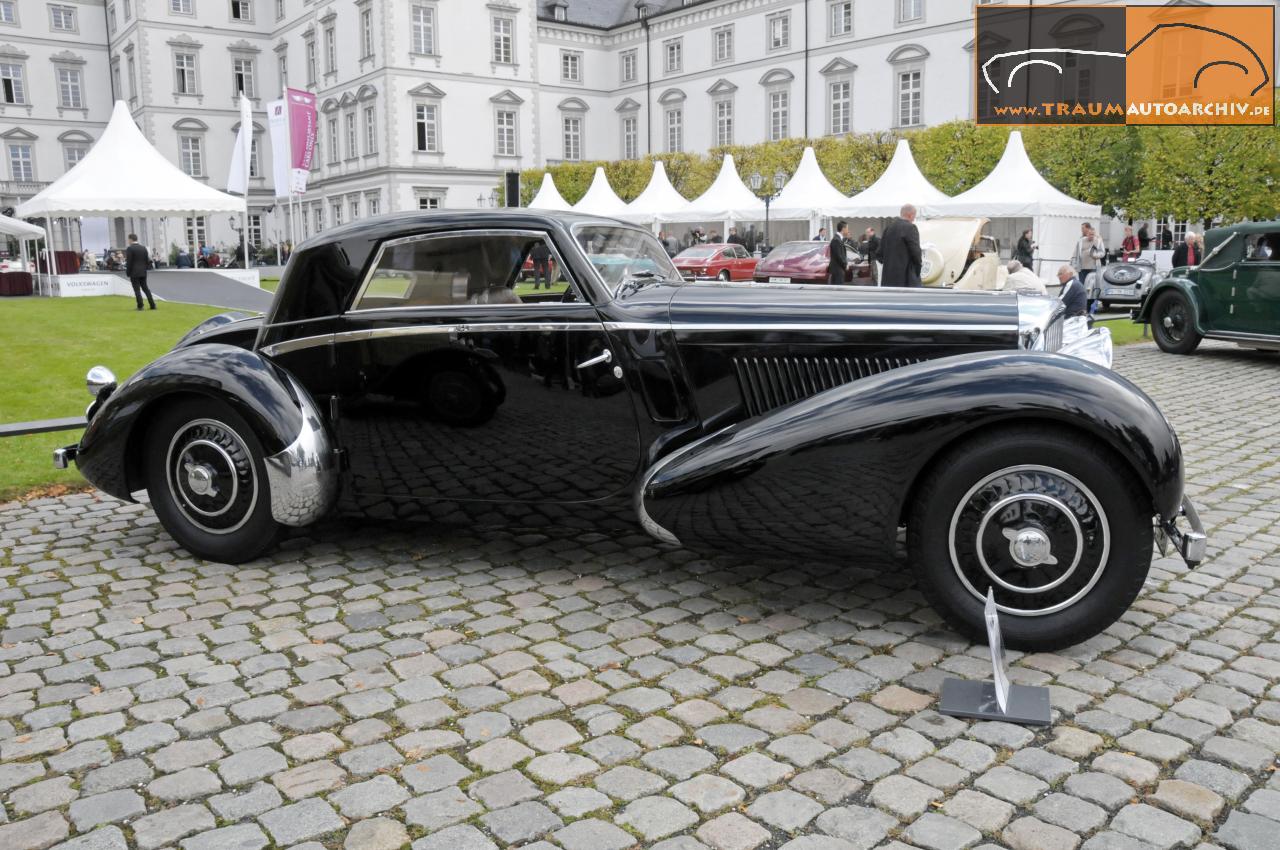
(605, 356)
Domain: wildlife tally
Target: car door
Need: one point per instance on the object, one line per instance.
(459, 389)
(740, 263)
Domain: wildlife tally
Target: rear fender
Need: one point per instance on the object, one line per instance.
(832, 473)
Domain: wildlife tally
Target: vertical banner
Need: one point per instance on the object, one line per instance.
(278, 127)
(302, 135)
(238, 177)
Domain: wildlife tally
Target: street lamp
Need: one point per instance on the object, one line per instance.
(491, 198)
(757, 183)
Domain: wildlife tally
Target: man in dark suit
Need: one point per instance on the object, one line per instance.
(541, 256)
(1187, 254)
(839, 255)
(870, 249)
(136, 260)
(1073, 296)
(900, 250)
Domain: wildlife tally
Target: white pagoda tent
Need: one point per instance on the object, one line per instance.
(901, 183)
(726, 199)
(807, 193)
(549, 197)
(659, 198)
(600, 198)
(1015, 195)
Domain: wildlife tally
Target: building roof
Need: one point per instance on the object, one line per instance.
(606, 14)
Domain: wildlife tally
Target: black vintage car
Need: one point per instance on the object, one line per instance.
(402, 370)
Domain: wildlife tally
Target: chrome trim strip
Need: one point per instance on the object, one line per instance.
(1232, 336)
(302, 342)
(303, 478)
(803, 326)
(647, 522)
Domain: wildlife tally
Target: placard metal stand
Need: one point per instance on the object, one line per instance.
(997, 699)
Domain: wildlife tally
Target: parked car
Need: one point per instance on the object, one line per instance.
(956, 253)
(715, 262)
(807, 262)
(397, 374)
(1122, 282)
(1233, 294)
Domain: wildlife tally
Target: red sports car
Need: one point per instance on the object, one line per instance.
(719, 261)
(807, 262)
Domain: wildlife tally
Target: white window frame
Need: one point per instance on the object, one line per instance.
(422, 24)
(908, 11)
(79, 149)
(630, 133)
(673, 129)
(70, 88)
(241, 11)
(196, 230)
(182, 7)
(723, 120)
(9, 12)
(180, 75)
(628, 62)
(317, 215)
(899, 92)
(778, 113)
(280, 10)
(133, 77)
(333, 139)
(336, 206)
(366, 33)
(255, 166)
(111, 18)
(244, 71)
(426, 127)
(351, 134)
(839, 18)
(253, 224)
(836, 127)
(330, 50)
(771, 43)
(353, 207)
(500, 132)
(571, 136)
(26, 161)
(191, 154)
(59, 12)
(282, 69)
(673, 55)
(373, 204)
(722, 44)
(370, 113)
(571, 66)
(313, 60)
(502, 38)
(13, 77)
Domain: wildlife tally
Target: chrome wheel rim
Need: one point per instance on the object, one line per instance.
(211, 477)
(1035, 535)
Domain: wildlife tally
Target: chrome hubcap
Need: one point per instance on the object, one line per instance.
(1168, 321)
(211, 476)
(200, 479)
(1029, 547)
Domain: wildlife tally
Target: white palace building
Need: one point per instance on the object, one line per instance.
(426, 103)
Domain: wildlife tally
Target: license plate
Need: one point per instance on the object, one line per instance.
(1119, 291)
(779, 280)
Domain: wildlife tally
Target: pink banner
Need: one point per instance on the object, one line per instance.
(302, 134)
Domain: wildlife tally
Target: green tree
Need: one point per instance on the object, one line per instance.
(956, 156)
(1098, 165)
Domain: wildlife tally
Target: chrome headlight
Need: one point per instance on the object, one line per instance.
(98, 379)
(1039, 323)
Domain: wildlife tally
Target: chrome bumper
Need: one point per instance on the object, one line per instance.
(1190, 544)
(62, 457)
(304, 477)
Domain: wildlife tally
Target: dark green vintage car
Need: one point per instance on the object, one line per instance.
(1232, 295)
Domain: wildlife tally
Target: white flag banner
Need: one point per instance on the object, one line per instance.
(278, 127)
(238, 176)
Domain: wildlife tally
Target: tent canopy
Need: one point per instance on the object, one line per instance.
(727, 198)
(658, 198)
(13, 227)
(1015, 189)
(122, 174)
(600, 198)
(549, 197)
(807, 193)
(901, 183)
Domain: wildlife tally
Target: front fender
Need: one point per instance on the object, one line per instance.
(255, 387)
(833, 473)
(1187, 287)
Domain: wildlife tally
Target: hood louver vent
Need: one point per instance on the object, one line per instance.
(767, 383)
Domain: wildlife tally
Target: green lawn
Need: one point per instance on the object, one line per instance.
(1123, 330)
(269, 283)
(48, 345)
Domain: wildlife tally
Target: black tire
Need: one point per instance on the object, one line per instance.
(1077, 502)
(723, 276)
(216, 447)
(1173, 323)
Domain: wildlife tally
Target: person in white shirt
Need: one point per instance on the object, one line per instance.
(1021, 279)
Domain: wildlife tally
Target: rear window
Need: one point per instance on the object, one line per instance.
(795, 249)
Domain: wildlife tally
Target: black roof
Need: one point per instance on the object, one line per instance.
(403, 223)
(607, 14)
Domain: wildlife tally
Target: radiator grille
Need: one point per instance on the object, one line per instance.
(770, 382)
(1053, 335)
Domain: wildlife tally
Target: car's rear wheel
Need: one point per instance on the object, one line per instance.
(723, 276)
(1050, 521)
(207, 481)
(1173, 323)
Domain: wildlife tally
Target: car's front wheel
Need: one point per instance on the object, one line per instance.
(1049, 520)
(1173, 323)
(207, 482)
(723, 276)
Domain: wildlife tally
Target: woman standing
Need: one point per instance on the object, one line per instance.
(1130, 248)
(1025, 249)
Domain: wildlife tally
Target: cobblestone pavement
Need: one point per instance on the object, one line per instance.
(372, 686)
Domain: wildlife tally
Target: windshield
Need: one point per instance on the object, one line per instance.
(795, 249)
(620, 254)
(697, 253)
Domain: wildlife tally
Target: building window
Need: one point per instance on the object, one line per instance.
(779, 115)
(373, 204)
(133, 78)
(69, 90)
(722, 43)
(675, 130)
(779, 31)
(279, 10)
(427, 125)
(724, 122)
(115, 76)
(370, 131)
(503, 40)
(572, 137)
(910, 10)
(184, 70)
(630, 138)
(72, 154)
(337, 212)
(330, 50)
(111, 18)
(62, 18)
(366, 33)
(253, 157)
(8, 12)
(282, 62)
(428, 202)
(908, 98)
(191, 155)
(197, 235)
(423, 21)
(242, 77)
(21, 166)
(628, 60)
(317, 213)
(335, 152)
(181, 7)
(353, 206)
(673, 50)
(15, 91)
(353, 140)
(570, 66)
(505, 121)
(128, 10)
(311, 62)
(254, 223)
(841, 99)
(840, 18)
(241, 10)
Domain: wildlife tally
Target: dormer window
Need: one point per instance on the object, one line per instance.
(561, 14)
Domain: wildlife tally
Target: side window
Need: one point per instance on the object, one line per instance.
(458, 269)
